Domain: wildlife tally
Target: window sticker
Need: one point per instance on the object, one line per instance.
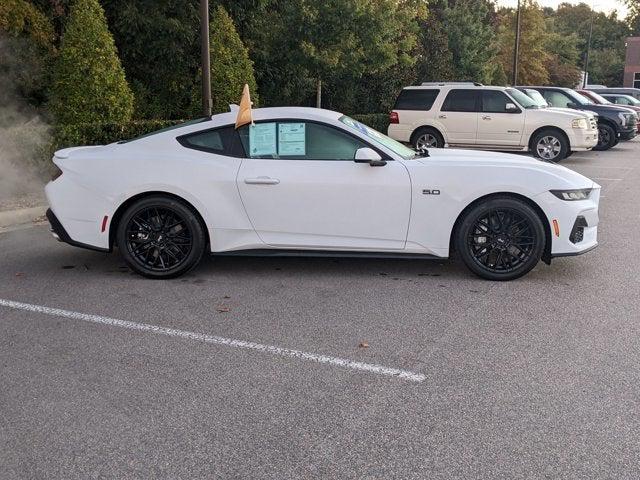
(291, 139)
(262, 139)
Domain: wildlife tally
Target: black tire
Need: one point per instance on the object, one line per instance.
(550, 145)
(569, 153)
(161, 237)
(501, 238)
(607, 137)
(427, 137)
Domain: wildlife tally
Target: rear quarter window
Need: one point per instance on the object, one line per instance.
(416, 99)
(222, 141)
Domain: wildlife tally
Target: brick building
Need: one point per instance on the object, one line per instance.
(632, 63)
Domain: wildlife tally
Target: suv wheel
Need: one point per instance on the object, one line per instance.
(501, 238)
(427, 138)
(607, 137)
(160, 237)
(550, 145)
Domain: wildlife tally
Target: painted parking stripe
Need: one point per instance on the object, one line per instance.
(215, 340)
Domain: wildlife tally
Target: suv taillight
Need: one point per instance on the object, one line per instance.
(393, 117)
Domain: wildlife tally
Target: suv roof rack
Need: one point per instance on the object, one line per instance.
(442, 84)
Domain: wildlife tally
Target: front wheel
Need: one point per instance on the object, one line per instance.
(501, 238)
(607, 137)
(160, 237)
(550, 145)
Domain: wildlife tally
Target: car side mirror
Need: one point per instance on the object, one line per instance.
(370, 156)
(511, 108)
(571, 105)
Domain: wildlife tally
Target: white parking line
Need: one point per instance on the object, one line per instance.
(212, 339)
(609, 179)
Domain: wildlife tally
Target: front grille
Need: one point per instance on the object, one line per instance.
(577, 232)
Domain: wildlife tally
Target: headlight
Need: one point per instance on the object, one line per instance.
(623, 119)
(580, 123)
(578, 194)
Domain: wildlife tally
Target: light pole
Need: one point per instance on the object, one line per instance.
(586, 57)
(516, 48)
(205, 58)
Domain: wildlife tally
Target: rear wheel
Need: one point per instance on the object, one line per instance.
(501, 238)
(161, 237)
(607, 137)
(427, 138)
(550, 145)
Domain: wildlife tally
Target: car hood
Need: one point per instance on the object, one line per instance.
(583, 113)
(553, 112)
(461, 158)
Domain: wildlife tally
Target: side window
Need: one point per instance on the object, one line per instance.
(297, 140)
(223, 141)
(460, 101)
(556, 99)
(622, 101)
(494, 101)
(416, 99)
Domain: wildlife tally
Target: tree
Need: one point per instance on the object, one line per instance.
(470, 32)
(563, 58)
(633, 18)
(89, 85)
(434, 59)
(533, 56)
(158, 41)
(231, 67)
(341, 43)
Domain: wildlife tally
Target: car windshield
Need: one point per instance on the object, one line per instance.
(577, 98)
(379, 138)
(537, 97)
(632, 101)
(599, 98)
(524, 100)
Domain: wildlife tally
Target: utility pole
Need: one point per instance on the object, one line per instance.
(585, 78)
(516, 48)
(206, 58)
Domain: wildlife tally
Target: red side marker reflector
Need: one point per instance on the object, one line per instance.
(556, 228)
(104, 223)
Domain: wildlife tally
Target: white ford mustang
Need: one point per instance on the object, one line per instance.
(315, 182)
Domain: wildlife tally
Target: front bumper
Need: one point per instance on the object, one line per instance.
(628, 133)
(573, 224)
(581, 140)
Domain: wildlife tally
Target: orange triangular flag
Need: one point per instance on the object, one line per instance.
(244, 112)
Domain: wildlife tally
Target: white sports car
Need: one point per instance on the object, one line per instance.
(315, 182)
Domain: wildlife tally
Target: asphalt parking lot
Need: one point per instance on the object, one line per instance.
(326, 368)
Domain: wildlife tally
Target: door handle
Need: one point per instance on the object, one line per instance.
(486, 117)
(442, 116)
(261, 181)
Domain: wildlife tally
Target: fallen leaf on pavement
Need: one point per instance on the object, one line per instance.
(223, 309)
(363, 345)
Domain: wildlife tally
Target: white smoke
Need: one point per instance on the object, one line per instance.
(24, 135)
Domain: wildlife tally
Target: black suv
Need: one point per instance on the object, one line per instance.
(613, 121)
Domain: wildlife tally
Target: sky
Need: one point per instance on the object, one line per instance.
(601, 5)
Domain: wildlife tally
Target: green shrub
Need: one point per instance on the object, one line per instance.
(231, 67)
(377, 121)
(104, 133)
(89, 85)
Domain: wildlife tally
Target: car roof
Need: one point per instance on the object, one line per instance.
(460, 85)
(307, 113)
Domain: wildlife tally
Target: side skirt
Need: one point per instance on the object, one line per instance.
(267, 252)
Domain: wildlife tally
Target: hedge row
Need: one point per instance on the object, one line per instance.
(105, 133)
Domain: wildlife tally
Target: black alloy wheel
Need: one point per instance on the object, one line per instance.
(501, 239)
(161, 237)
(607, 137)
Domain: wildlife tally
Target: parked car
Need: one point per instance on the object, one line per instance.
(485, 117)
(626, 101)
(634, 92)
(613, 121)
(307, 181)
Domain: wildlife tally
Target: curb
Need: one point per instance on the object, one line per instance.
(20, 216)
